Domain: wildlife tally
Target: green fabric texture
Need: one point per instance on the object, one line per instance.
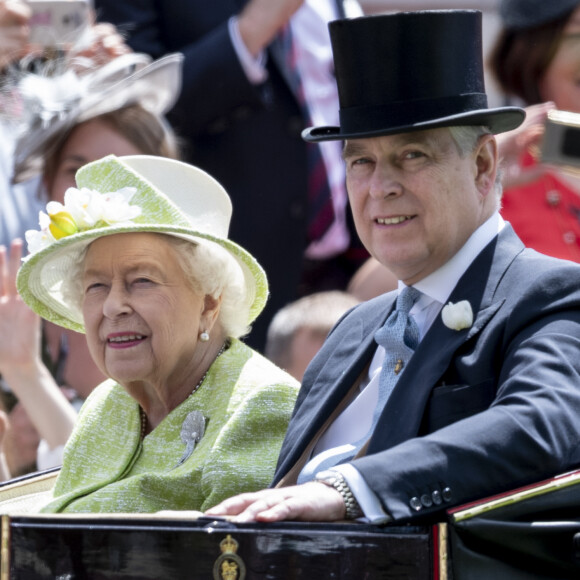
(247, 402)
(106, 176)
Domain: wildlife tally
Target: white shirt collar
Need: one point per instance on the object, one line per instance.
(439, 284)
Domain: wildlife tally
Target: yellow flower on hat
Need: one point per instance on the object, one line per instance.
(62, 224)
(83, 209)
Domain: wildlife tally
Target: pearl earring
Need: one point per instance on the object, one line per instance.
(204, 336)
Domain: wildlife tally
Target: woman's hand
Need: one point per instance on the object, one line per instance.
(105, 44)
(20, 359)
(310, 502)
(513, 144)
(19, 325)
(14, 31)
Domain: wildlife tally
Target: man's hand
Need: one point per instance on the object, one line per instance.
(260, 21)
(310, 502)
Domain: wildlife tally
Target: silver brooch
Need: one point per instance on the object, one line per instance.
(192, 431)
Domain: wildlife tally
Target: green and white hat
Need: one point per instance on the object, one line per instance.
(139, 193)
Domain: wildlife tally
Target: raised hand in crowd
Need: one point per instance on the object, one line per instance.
(19, 326)
(513, 144)
(14, 31)
(21, 363)
(261, 20)
(104, 43)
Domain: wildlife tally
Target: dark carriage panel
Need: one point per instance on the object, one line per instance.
(152, 548)
(530, 533)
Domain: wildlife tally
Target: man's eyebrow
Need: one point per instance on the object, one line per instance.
(355, 147)
(352, 148)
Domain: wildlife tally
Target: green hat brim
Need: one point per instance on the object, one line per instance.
(42, 272)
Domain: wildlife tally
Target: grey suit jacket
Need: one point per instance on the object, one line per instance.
(476, 411)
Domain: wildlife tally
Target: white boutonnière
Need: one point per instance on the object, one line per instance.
(457, 316)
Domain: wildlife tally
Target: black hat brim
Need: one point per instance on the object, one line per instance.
(499, 120)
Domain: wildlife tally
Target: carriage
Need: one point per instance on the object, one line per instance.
(528, 533)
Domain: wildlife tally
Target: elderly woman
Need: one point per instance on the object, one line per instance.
(114, 109)
(138, 258)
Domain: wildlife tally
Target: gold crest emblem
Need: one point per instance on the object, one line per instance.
(229, 566)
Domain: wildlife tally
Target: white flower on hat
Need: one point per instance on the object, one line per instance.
(457, 316)
(83, 209)
(38, 240)
(88, 207)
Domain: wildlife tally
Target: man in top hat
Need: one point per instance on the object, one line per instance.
(466, 381)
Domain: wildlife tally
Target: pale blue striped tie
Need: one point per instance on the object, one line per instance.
(399, 336)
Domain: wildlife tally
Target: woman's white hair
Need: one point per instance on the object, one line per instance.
(212, 270)
(209, 269)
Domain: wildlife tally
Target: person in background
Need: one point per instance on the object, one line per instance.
(298, 330)
(464, 382)
(370, 280)
(19, 205)
(30, 396)
(20, 202)
(138, 258)
(536, 60)
(255, 73)
(120, 112)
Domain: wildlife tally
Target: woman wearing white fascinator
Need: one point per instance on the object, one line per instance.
(67, 118)
(98, 44)
(138, 258)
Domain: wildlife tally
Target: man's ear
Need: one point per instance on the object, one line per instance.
(486, 164)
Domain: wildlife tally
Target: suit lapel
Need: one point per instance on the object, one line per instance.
(403, 413)
(354, 346)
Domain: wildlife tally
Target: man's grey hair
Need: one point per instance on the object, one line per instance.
(209, 269)
(466, 138)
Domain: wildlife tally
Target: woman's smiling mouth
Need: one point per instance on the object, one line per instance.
(124, 340)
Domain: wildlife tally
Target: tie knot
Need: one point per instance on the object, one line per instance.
(407, 297)
(400, 328)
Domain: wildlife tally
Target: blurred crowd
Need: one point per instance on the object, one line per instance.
(230, 93)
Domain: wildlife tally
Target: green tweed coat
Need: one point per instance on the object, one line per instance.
(246, 401)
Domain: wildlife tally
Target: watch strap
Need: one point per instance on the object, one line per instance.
(337, 480)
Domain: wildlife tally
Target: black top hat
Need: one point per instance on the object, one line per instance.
(410, 71)
(524, 14)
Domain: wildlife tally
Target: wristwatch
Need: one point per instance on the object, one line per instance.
(336, 480)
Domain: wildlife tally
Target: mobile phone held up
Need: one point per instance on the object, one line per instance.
(561, 141)
(57, 22)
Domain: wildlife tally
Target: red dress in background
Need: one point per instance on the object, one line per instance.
(545, 214)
